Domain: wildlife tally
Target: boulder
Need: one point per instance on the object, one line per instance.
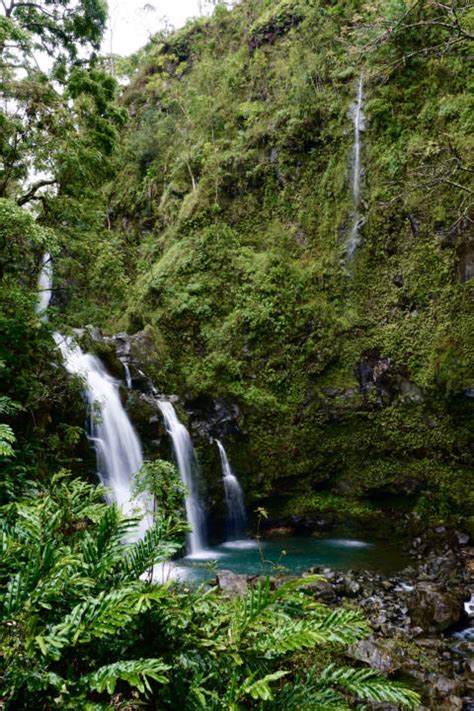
(380, 654)
(323, 591)
(232, 583)
(433, 608)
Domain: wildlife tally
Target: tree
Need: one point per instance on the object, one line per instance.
(54, 95)
(56, 28)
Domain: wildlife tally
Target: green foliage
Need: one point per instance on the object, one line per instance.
(161, 481)
(42, 119)
(78, 619)
(7, 436)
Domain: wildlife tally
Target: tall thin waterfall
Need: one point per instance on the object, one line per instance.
(118, 449)
(187, 464)
(45, 285)
(236, 516)
(358, 119)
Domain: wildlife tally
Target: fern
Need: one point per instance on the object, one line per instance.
(80, 621)
(369, 685)
(259, 599)
(260, 689)
(136, 673)
(156, 546)
(296, 635)
(7, 438)
(98, 617)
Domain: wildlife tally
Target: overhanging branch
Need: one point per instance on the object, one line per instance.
(31, 194)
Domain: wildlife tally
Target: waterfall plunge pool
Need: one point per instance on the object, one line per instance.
(290, 555)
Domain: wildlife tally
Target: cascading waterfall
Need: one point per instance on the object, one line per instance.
(358, 118)
(118, 449)
(45, 286)
(236, 516)
(187, 464)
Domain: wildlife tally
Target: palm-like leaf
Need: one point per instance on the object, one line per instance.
(159, 543)
(97, 617)
(135, 672)
(339, 627)
(369, 685)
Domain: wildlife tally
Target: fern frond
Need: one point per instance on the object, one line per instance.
(7, 438)
(9, 407)
(296, 635)
(369, 685)
(260, 689)
(103, 546)
(158, 544)
(98, 617)
(135, 672)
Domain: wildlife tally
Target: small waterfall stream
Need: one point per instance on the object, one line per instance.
(128, 376)
(187, 464)
(358, 119)
(236, 516)
(45, 285)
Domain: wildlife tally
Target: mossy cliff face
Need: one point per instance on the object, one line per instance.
(231, 211)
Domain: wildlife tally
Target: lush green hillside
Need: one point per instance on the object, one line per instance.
(229, 217)
(204, 207)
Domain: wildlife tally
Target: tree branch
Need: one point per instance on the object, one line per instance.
(31, 194)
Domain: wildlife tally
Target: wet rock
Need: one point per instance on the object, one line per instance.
(432, 608)
(452, 703)
(232, 583)
(277, 531)
(277, 26)
(380, 654)
(444, 687)
(350, 586)
(462, 538)
(214, 419)
(323, 591)
(469, 668)
(410, 392)
(466, 261)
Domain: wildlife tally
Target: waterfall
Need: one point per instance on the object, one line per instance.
(118, 449)
(128, 376)
(358, 119)
(236, 517)
(187, 464)
(117, 446)
(45, 285)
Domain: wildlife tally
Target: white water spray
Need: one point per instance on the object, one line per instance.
(358, 119)
(236, 517)
(187, 464)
